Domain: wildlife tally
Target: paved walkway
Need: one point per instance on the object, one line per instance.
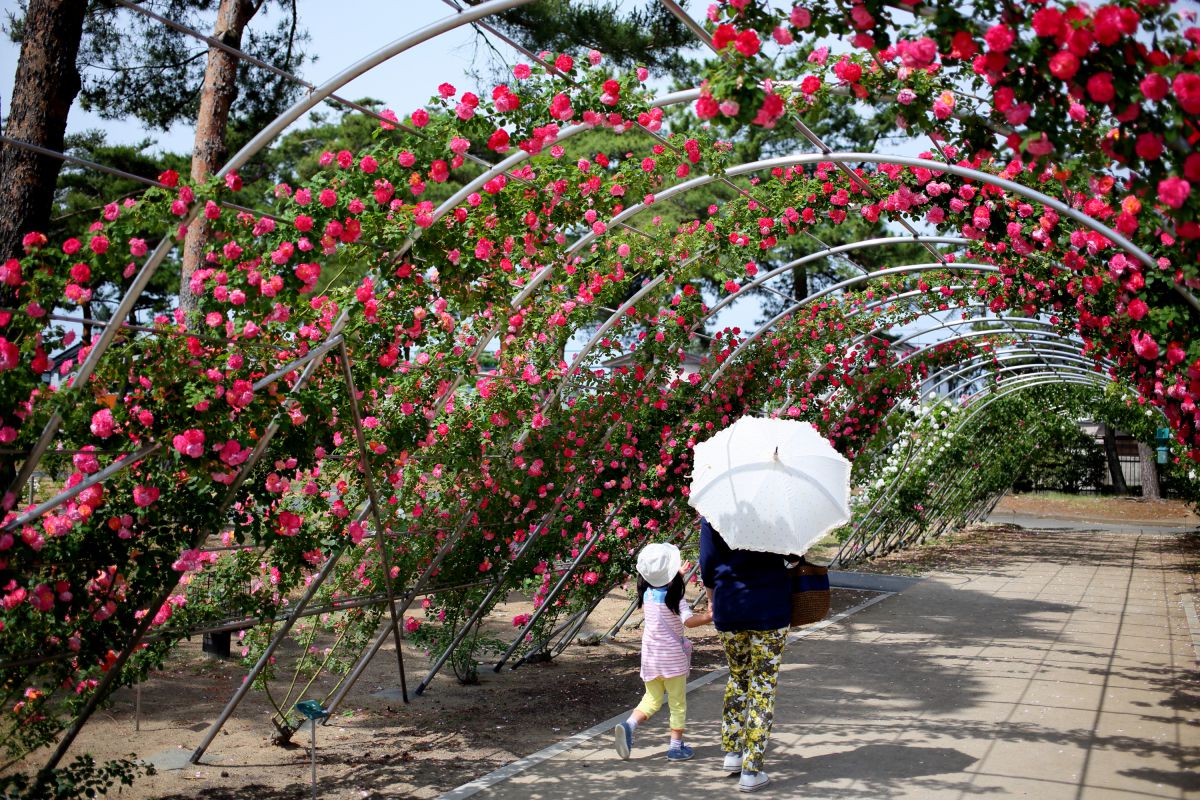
(1061, 665)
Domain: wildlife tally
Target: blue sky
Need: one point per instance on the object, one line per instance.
(338, 39)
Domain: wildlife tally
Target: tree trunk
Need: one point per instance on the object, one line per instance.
(1150, 489)
(1114, 461)
(800, 282)
(219, 91)
(46, 83)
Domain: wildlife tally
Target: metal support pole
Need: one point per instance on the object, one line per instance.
(312, 727)
(380, 541)
(364, 658)
(276, 640)
(553, 594)
(462, 633)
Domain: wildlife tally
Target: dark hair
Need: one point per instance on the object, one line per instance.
(674, 592)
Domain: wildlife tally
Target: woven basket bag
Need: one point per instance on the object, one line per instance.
(810, 593)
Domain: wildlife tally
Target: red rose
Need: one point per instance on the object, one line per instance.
(1064, 65)
(963, 46)
(1187, 91)
(1047, 22)
(747, 43)
(1149, 146)
(1191, 167)
(706, 107)
(723, 35)
(1137, 308)
(1154, 86)
(498, 141)
(1080, 41)
(1100, 87)
(999, 38)
(1107, 24)
(1130, 19)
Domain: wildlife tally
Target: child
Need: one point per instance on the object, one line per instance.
(666, 651)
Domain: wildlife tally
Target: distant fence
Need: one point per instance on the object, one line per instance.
(1131, 468)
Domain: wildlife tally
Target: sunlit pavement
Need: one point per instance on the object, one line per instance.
(1066, 668)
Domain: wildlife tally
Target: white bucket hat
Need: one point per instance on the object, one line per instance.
(659, 563)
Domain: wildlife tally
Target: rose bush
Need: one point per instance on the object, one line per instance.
(211, 465)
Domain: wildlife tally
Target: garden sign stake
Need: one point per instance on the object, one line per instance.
(313, 711)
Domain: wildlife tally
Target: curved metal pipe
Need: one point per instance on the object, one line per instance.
(966, 267)
(963, 172)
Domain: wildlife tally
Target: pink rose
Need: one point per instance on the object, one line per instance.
(560, 107)
(1144, 345)
(190, 443)
(103, 423)
(1173, 192)
(145, 495)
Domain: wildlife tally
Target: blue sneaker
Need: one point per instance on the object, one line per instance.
(623, 739)
(681, 753)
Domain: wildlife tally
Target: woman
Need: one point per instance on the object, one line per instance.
(751, 606)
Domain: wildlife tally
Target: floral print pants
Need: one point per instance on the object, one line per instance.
(754, 660)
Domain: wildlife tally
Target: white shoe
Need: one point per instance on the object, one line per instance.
(623, 739)
(733, 763)
(753, 781)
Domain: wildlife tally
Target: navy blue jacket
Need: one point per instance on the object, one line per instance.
(751, 591)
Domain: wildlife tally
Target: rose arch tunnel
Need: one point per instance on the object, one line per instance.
(386, 412)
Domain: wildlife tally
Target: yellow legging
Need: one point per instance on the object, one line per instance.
(676, 691)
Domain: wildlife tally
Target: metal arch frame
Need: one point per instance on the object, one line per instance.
(981, 360)
(963, 172)
(976, 335)
(990, 395)
(875, 331)
(158, 256)
(260, 140)
(270, 132)
(848, 283)
(1090, 376)
(762, 279)
(952, 324)
(615, 317)
(465, 17)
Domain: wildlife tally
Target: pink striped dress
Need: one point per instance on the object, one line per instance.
(666, 651)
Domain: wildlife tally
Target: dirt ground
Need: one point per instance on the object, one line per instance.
(376, 746)
(1099, 508)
